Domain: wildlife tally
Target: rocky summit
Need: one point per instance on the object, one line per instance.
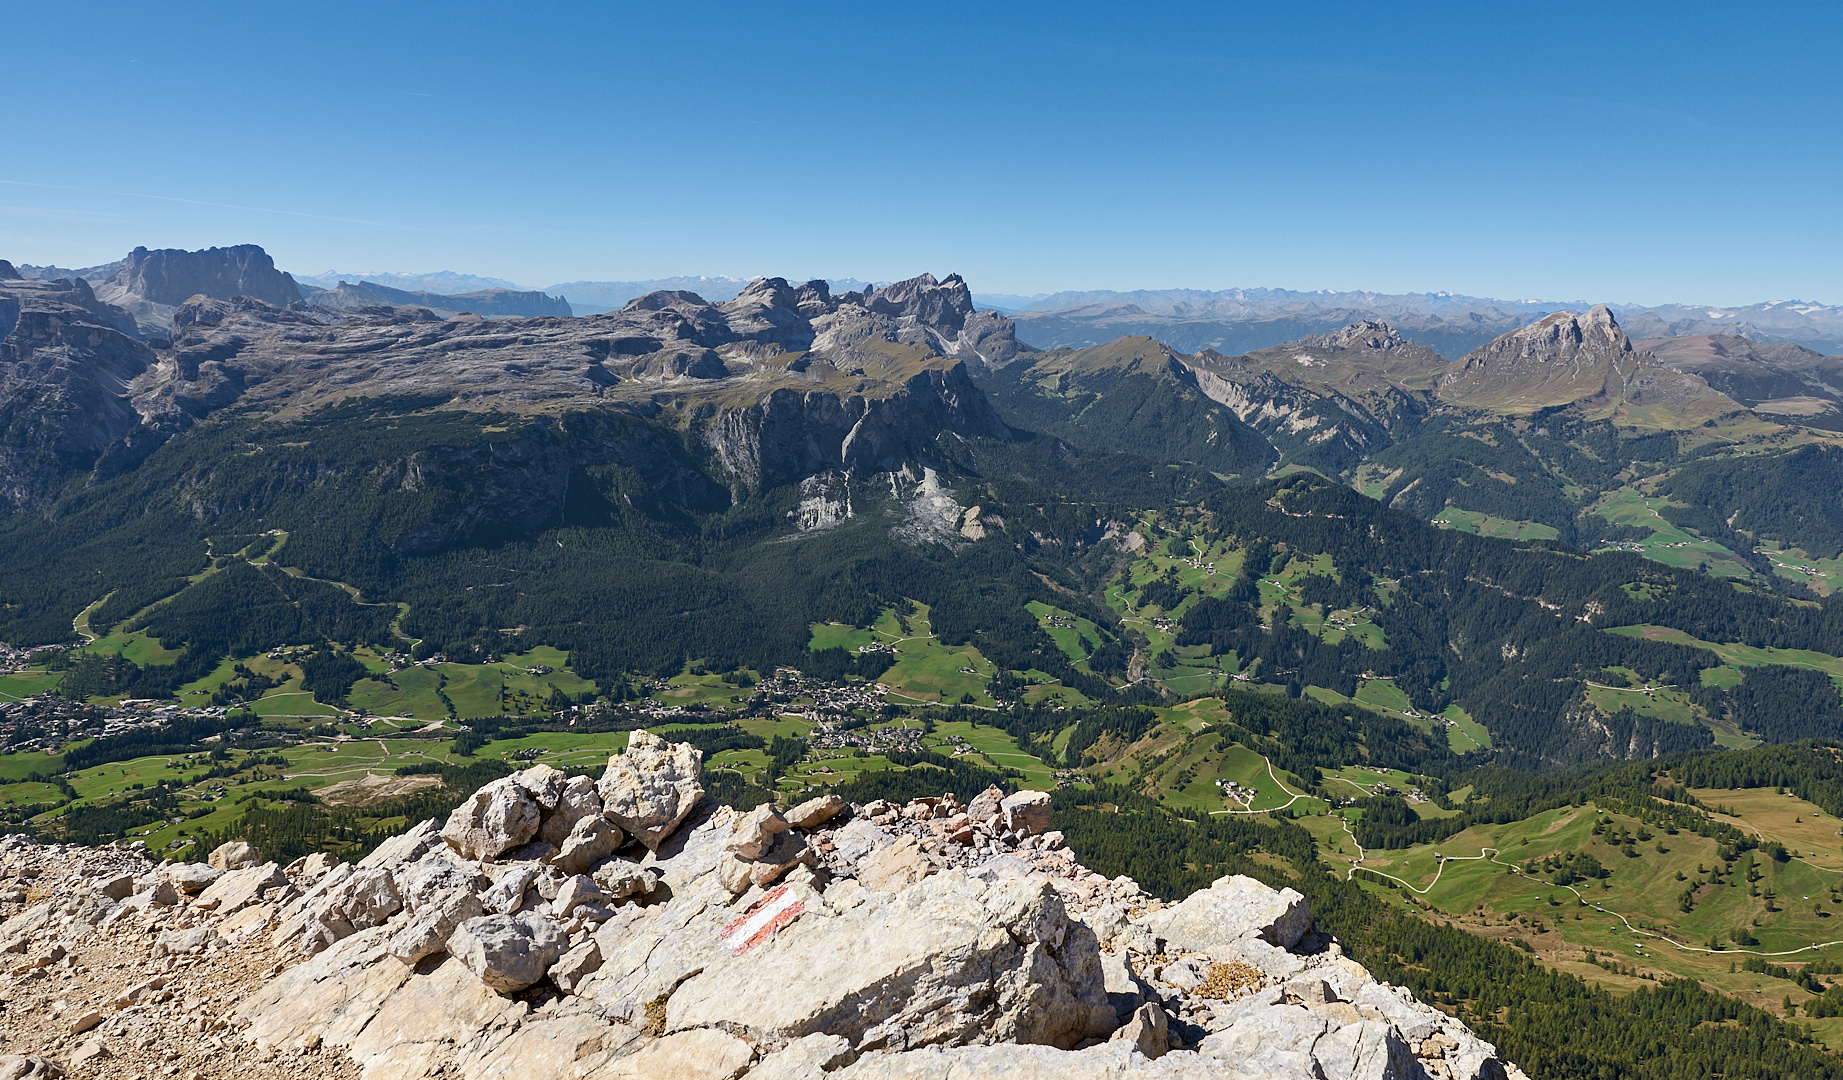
(629, 926)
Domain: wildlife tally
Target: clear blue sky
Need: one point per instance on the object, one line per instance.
(1604, 151)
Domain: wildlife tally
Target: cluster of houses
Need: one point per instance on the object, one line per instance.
(1236, 792)
(47, 722)
(896, 738)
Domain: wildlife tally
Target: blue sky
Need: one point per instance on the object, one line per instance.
(1620, 152)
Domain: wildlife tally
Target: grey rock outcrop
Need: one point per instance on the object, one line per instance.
(497, 818)
(66, 361)
(499, 302)
(234, 855)
(151, 285)
(1213, 920)
(651, 786)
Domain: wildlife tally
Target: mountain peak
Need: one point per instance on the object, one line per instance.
(1562, 336)
(1362, 334)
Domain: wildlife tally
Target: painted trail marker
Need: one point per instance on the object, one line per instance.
(778, 907)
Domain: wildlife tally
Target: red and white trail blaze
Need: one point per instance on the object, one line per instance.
(765, 916)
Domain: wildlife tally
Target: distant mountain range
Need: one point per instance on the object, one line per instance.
(1236, 320)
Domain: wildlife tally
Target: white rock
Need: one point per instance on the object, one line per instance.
(575, 966)
(1026, 812)
(755, 830)
(405, 847)
(810, 1057)
(237, 889)
(499, 817)
(429, 929)
(1211, 920)
(649, 789)
(114, 886)
(575, 800)
(815, 812)
(234, 855)
(590, 840)
(191, 878)
(1146, 1029)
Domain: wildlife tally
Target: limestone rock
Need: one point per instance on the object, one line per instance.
(185, 942)
(499, 817)
(234, 855)
(576, 965)
(407, 848)
(508, 893)
(429, 929)
(815, 812)
(507, 952)
(754, 832)
(986, 806)
(950, 959)
(191, 878)
(574, 801)
(592, 839)
(29, 1067)
(809, 1057)
(621, 879)
(238, 888)
(1006, 1061)
(1147, 1029)
(704, 1054)
(114, 886)
(1026, 812)
(895, 866)
(1211, 920)
(575, 892)
(543, 783)
(651, 787)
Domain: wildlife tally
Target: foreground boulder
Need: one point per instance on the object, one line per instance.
(651, 787)
(1213, 920)
(507, 952)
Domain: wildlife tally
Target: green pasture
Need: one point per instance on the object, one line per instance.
(1466, 733)
(1641, 897)
(1076, 641)
(1479, 524)
(410, 692)
(1824, 576)
(25, 684)
(1667, 544)
(1738, 655)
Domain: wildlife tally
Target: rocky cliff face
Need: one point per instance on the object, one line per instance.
(780, 383)
(150, 285)
(65, 369)
(628, 927)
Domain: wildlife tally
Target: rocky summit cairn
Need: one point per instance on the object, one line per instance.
(555, 926)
